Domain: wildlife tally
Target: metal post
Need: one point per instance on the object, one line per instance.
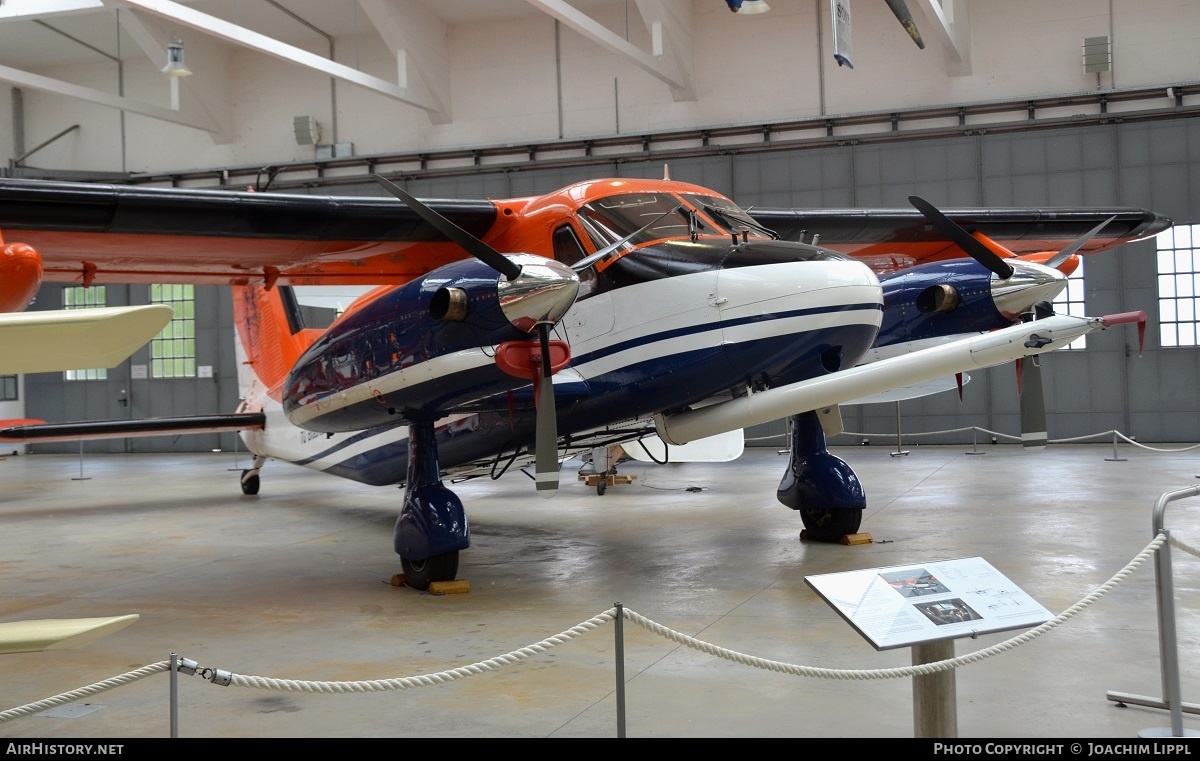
(1115, 457)
(975, 441)
(1168, 650)
(174, 695)
(619, 635)
(899, 452)
(935, 713)
(81, 476)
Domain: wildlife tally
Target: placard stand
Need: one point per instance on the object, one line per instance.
(926, 606)
(935, 697)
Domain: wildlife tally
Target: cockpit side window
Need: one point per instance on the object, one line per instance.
(567, 248)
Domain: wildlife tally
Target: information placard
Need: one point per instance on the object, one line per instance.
(904, 605)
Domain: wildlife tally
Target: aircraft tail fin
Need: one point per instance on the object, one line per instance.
(271, 337)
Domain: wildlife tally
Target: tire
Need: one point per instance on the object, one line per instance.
(601, 485)
(831, 525)
(419, 574)
(250, 483)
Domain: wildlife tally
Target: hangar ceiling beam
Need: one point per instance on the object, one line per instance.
(58, 87)
(207, 106)
(238, 35)
(23, 10)
(669, 71)
(950, 27)
(418, 40)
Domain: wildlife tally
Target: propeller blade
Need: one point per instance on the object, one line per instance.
(474, 246)
(962, 238)
(546, 442)
(1033, 407)
(904, 16)
(1070, 250)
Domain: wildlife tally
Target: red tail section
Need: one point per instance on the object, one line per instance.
(270, 338)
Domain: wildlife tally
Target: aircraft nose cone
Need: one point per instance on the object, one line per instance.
(1029, 284)
(543, 292)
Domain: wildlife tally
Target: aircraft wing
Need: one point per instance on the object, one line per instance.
(122, 428)
(895, 238)
(38, 342)
(124, 234)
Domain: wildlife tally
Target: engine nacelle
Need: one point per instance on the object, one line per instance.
(20, 276)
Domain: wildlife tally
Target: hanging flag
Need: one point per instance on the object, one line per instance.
(841, 33)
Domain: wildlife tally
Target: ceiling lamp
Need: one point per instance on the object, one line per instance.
(748, 7)
(175, 66)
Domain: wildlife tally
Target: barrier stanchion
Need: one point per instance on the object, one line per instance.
(619, 636)
(1168, 650)
(899, 452)
(975, 441)
(1115, 457)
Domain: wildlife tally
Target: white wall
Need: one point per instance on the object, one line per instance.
(504, 91)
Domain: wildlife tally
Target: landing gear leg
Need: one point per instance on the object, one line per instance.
(821, 486)
(250, 481)
(432, 526)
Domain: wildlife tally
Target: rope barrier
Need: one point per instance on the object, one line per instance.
(83, 692)
(924, 668)
(539, 648)
(999, 435)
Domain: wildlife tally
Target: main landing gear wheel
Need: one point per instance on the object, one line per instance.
(419, 574)
(827, 525)
(250, 483)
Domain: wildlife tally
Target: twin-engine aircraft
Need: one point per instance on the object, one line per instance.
(525, 331)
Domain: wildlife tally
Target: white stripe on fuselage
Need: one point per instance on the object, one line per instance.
(649, 315)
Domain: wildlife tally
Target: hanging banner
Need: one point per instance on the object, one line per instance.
(840, 10)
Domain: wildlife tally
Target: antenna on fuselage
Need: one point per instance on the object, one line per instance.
(666, 172)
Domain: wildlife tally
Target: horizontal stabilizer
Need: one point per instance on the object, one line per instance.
(120, 429)
(71, 339)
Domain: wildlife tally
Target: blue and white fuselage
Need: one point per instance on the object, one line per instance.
(664, 327)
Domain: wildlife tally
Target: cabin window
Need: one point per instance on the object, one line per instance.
(78, 297)
(1178, 285)
(173, 351)
(567, 248)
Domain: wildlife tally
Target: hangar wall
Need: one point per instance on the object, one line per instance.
(533, 79)
(768, 68)
(1107, 386)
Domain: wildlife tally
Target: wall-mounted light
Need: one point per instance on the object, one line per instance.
(748, 7)
(175, 66)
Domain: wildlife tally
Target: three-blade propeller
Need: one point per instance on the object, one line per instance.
(963, 239)
(1029, 374)
(546, 423)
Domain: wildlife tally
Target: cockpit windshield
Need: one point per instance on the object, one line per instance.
(731, 217)
(638, 217)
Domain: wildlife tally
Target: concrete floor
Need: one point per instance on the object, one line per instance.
(294, 584)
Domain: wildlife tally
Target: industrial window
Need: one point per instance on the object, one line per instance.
(78, 297)
(8, 388)
(173, 351)
(1178, 285)
(1070, 301)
